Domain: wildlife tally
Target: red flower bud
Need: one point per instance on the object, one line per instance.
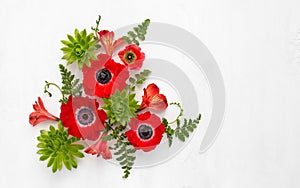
(107, 40)
(40, 114)
(99, 148)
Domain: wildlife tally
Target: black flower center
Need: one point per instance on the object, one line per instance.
(103, 76)
(130, 57)
(85, 116)
(145, 131)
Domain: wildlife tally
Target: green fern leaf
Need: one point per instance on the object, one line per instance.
(138, 33)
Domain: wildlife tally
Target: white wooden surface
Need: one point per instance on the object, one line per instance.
(256, 44)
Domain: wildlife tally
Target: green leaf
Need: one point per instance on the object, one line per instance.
(71, 39)
(70, 86)
(127, 39)
(138, 33)
(50, 162)
(120, 107)
(189, 125)
(67, 164)
(121, 158)
(131, 80)
(139, 79)
(131, 158)
(125, 158)
(80, 47)
(44, 157)
(58, 148)
(54, 165)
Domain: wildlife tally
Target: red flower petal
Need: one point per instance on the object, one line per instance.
(82, 117)
(152, 98)
(132, 57)
(40, 114)
(107, 40)
(117, 73)
(152, 138)
(100, 148)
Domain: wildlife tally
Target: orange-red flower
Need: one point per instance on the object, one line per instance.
(100, 148)
(107, 40)
(152, 98)
(82, 117)
(104, 77)
(40, 114)
(132, 57)
(146, 131)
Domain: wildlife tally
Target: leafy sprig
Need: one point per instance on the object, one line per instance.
(47, 86)
(120, 107)
(169, 131)
(71, 86)
(139, 78)
(80, 48)
(189, 125)
(182, 132)
(138, 33)
(96, 29)
(58, 147)
(125, 153)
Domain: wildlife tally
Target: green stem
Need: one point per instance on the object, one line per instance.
(180, 114)
(48, 84)
(96, 29)
(109, 125)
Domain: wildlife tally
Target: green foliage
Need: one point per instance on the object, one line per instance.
(125, 153)
(96, 29)
(180, 132)
(47, 86)
(169, 131)
(138, 79)
(56, 146)
(120, 107)
(189, 125)
(116, 132)
(70, 86)
(80, 48)
(138, 33)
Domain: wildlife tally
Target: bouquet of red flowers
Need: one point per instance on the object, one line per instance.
(101, 106)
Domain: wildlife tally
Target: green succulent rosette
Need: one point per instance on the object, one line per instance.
(121, 106)
(58, 147)
(80, 48)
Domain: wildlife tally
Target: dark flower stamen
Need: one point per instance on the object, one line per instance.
(145, 132)
(103, 76)
(130, 57)
(85, 116)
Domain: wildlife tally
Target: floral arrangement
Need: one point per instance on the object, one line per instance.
(101, 108)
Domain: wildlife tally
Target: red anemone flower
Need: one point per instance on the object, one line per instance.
(146, 131)
(132, 57)
(107, 40)
(82, 117)
(100, 148)
(152, 98)
(40, 113)
(104, 77)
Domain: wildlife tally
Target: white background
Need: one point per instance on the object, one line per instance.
(256, 45)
